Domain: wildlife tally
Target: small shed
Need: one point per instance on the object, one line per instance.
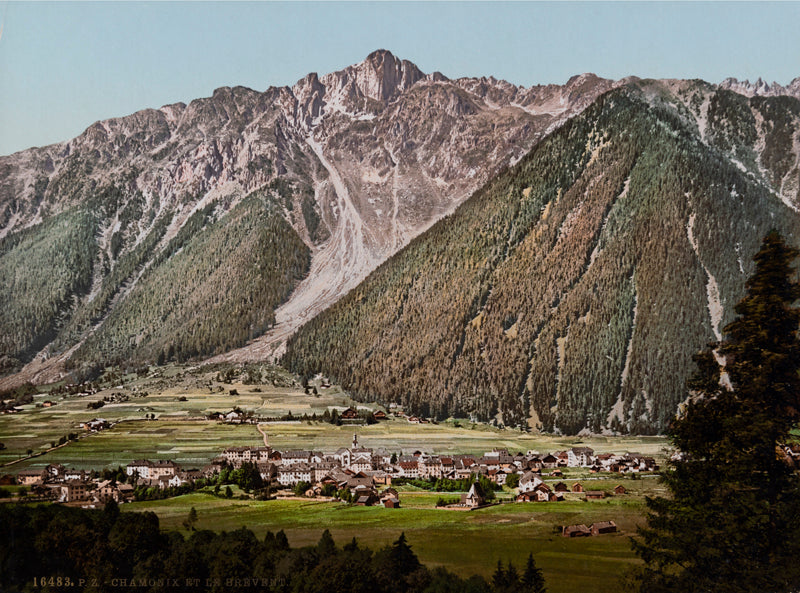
(595, 495)
(620, 490)
(603, 527)
(577, 487)
(576, 531)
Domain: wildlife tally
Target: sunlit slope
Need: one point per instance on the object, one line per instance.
(573, 289)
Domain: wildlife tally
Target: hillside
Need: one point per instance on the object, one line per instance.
(571, 291)
(190, 230)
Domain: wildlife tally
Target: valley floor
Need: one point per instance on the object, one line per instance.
(464, 542)
(164, 416)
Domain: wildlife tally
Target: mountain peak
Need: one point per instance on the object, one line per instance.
(761, 88)
(382, 75)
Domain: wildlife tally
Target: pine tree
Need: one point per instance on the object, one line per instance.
(499, 578)
(532, 578)
(732, 522)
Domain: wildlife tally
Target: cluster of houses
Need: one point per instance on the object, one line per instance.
(361, 470)
(58, 483)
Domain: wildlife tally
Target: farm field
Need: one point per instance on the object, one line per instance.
(466, 542)
(195, 442)
(163, 416)
(179, 398)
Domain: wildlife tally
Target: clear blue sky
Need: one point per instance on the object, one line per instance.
(66, 65)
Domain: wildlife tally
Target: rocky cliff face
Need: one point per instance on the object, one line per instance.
(357, 162)
(760, 88)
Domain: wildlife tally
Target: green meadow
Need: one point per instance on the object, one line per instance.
(466, 542)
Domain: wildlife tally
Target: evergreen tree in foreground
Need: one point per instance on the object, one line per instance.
(732, 521)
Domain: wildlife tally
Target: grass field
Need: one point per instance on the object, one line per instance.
(466, 542)
(179, 397)
(194, 442)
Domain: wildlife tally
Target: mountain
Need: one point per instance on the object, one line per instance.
(570, 292)
(192, 230)
(760, 88)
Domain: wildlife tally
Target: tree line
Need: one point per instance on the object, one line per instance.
(101, 551)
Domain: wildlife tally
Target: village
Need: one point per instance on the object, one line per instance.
(357, 474)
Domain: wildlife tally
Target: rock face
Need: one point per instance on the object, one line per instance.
(762, 89)
(357, 162)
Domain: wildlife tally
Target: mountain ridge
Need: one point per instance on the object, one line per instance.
(381, 144)
(345, 169)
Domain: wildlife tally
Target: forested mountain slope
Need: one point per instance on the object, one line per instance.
(572, 290)
(188, 230)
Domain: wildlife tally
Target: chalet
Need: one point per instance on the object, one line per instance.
(535, 463)
(184, 477)
(360, 480)
(234, 417)
(620, 489)
(125, 491)
(7, 480)
(30, 477)
(379, 415)
(48, 404)
(529, 481)
(561, 487)
(95, 424)
(391, 503)
(577, 487)
(595, 495)
(367, 499)
(549, 461)
(107, 490)
(55, 471)
(563, 458)
(379, 476)
(526, 497)
(212, 468)
(475, 497)
(576, 531)
(605, 460)
(349, 414)
(603, 527)
(557, 473)
(389, 493)
(543, 493)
